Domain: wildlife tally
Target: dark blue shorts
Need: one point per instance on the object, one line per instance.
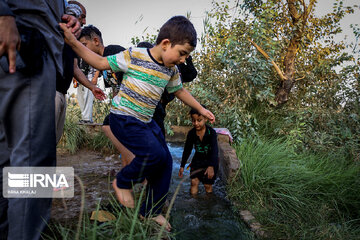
(152, 160)
(201, 175)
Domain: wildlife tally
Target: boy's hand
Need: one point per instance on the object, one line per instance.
(98, 93)
(68, 35)
(72, 23)
(209, 172)
(209, 115)
(181, 171)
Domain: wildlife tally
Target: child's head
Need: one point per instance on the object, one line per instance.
(91, 38)
(198, 120)
(177, 38)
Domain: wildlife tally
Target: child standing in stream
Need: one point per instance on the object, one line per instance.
(204, 164)
(147, 72)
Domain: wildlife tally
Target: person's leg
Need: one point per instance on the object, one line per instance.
(208, 188)
(80, 98)
(60, 114)
(126, 155)
(88, 105)
(27, 120)
(194, 189)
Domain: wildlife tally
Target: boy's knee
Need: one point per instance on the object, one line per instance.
(105, 128)
(195, 182)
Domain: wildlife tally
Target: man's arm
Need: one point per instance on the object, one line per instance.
(189, 100)
(81, 78)
(89, 56)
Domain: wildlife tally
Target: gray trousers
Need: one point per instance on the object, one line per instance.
(60, 114)
(85, 99)
(27, 138)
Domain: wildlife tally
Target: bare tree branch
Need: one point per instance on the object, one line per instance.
(281, 74)
(293, 11)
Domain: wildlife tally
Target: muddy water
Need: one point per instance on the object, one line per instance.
(206, 216)
(203, 217)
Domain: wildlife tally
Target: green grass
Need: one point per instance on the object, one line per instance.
(298, 196)
(74, 136)
(100, 142)
(126, 226)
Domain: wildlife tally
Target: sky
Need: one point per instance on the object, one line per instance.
(120, 20)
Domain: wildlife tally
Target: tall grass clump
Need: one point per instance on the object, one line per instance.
(100, 142)
(74, 135)
(298, 195)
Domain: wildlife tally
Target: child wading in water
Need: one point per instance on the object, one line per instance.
(147, 72)
(204, 164)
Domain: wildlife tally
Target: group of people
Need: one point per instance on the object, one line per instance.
(40, 68)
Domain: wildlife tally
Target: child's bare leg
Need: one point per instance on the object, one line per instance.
(126, 155)
(208, 188)
(124, 196)
(194, 186)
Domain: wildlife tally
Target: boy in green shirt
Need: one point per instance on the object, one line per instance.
(147, 72)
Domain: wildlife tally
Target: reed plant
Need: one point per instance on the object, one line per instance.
(74, 136)
(298, 195)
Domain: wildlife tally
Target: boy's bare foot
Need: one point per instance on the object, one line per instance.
(124, 196)
(161, 220)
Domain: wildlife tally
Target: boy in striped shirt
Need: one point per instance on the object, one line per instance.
(147, 72)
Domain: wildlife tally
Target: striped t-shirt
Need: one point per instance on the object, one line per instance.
(143, 83)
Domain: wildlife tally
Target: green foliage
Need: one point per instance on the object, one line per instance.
(74, 136)
(298, 196)
(303, 186)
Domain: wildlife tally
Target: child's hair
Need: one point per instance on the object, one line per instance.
(194, 111)
(179, 30)
(144, 45)
(90, 31)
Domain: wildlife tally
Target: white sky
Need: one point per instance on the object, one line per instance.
(120, 20)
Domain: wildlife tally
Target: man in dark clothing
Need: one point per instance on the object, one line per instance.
(27, 93)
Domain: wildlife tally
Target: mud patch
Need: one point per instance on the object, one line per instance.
(94, 170)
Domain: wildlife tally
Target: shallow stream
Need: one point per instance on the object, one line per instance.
(206, 216)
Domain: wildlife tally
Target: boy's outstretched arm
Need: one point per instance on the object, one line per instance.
(89, 56)
(189, 100)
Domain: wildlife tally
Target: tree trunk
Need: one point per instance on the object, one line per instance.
(299, 23)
